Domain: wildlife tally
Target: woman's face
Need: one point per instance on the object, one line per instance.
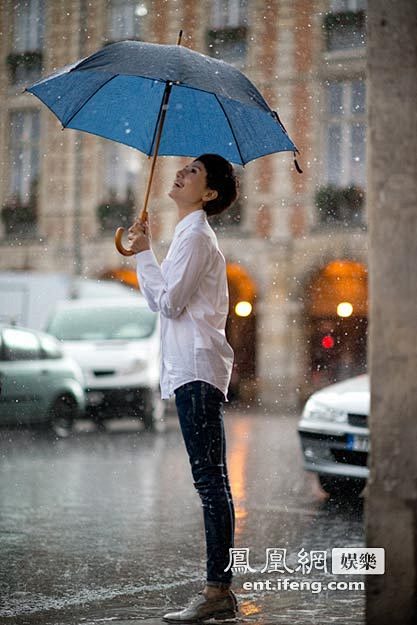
(190, 185)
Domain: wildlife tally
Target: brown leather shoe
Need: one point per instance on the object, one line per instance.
(201, 609)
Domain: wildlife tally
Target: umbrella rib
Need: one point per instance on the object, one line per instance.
(87, 100)
(231, 129)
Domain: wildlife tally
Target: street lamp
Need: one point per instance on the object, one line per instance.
(344, 309)
(243, 309)
(141, 10)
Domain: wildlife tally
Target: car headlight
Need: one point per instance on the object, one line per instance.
(317, 411)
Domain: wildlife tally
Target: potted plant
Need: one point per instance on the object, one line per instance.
(340, 204)
(344, 18)
(19, 217)
(345, 29)
(24, 64)
(113, 212)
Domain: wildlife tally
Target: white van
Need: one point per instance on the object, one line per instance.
(27, 298)
(117, 344)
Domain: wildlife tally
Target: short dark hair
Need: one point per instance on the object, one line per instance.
(221, 177)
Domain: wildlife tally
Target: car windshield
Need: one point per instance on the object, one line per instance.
(103, 324)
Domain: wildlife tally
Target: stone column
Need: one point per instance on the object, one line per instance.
(391, 496)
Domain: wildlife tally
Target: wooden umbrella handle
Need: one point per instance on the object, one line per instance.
(144, 212)
(118, 237)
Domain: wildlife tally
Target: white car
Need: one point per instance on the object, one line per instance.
(335, 437)
(117, 344)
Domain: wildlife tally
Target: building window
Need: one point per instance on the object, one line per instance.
(24, 155)
(227, 34)
(122, 166)
(346, 133)
(345, 25)
(25, 60)
(340, 6)
(341, 199)
(125, 20)
(19, 212)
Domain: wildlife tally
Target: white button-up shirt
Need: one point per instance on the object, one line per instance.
(190, 291)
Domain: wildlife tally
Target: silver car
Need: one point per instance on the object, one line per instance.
(335, 437)
(38, 383)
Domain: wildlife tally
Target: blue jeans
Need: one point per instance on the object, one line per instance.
(200, 412)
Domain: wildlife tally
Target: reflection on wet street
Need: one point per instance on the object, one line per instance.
(107, 526)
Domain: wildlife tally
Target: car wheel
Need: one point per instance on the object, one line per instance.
(337, 486)
(63, 414)
(154, 411)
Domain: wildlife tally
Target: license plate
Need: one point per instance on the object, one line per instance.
(357, 443)
(94, 398)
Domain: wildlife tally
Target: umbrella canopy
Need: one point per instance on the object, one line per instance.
(117, 93)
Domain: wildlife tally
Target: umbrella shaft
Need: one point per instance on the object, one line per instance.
(161, 118)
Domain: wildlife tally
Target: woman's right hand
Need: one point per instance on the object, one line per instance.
(139, 236)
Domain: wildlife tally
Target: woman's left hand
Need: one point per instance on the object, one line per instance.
(139, 236)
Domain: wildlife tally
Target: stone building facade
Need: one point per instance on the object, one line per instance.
(296, 244)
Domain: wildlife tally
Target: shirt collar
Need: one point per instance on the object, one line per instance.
(198, 216)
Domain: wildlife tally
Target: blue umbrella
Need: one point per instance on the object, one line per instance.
(122, 92)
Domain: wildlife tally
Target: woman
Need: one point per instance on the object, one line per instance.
(190, 291)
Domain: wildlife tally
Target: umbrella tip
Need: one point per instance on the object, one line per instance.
(296, 165)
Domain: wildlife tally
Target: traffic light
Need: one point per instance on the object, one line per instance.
(327, 341)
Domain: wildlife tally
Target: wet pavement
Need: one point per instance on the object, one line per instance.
(106, 527)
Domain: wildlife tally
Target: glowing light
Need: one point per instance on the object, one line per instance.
(243, 309)
(344, 309)
(141, 10)
(327, 341)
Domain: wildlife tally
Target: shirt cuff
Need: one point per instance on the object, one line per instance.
(145, 261)
(144, 255)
